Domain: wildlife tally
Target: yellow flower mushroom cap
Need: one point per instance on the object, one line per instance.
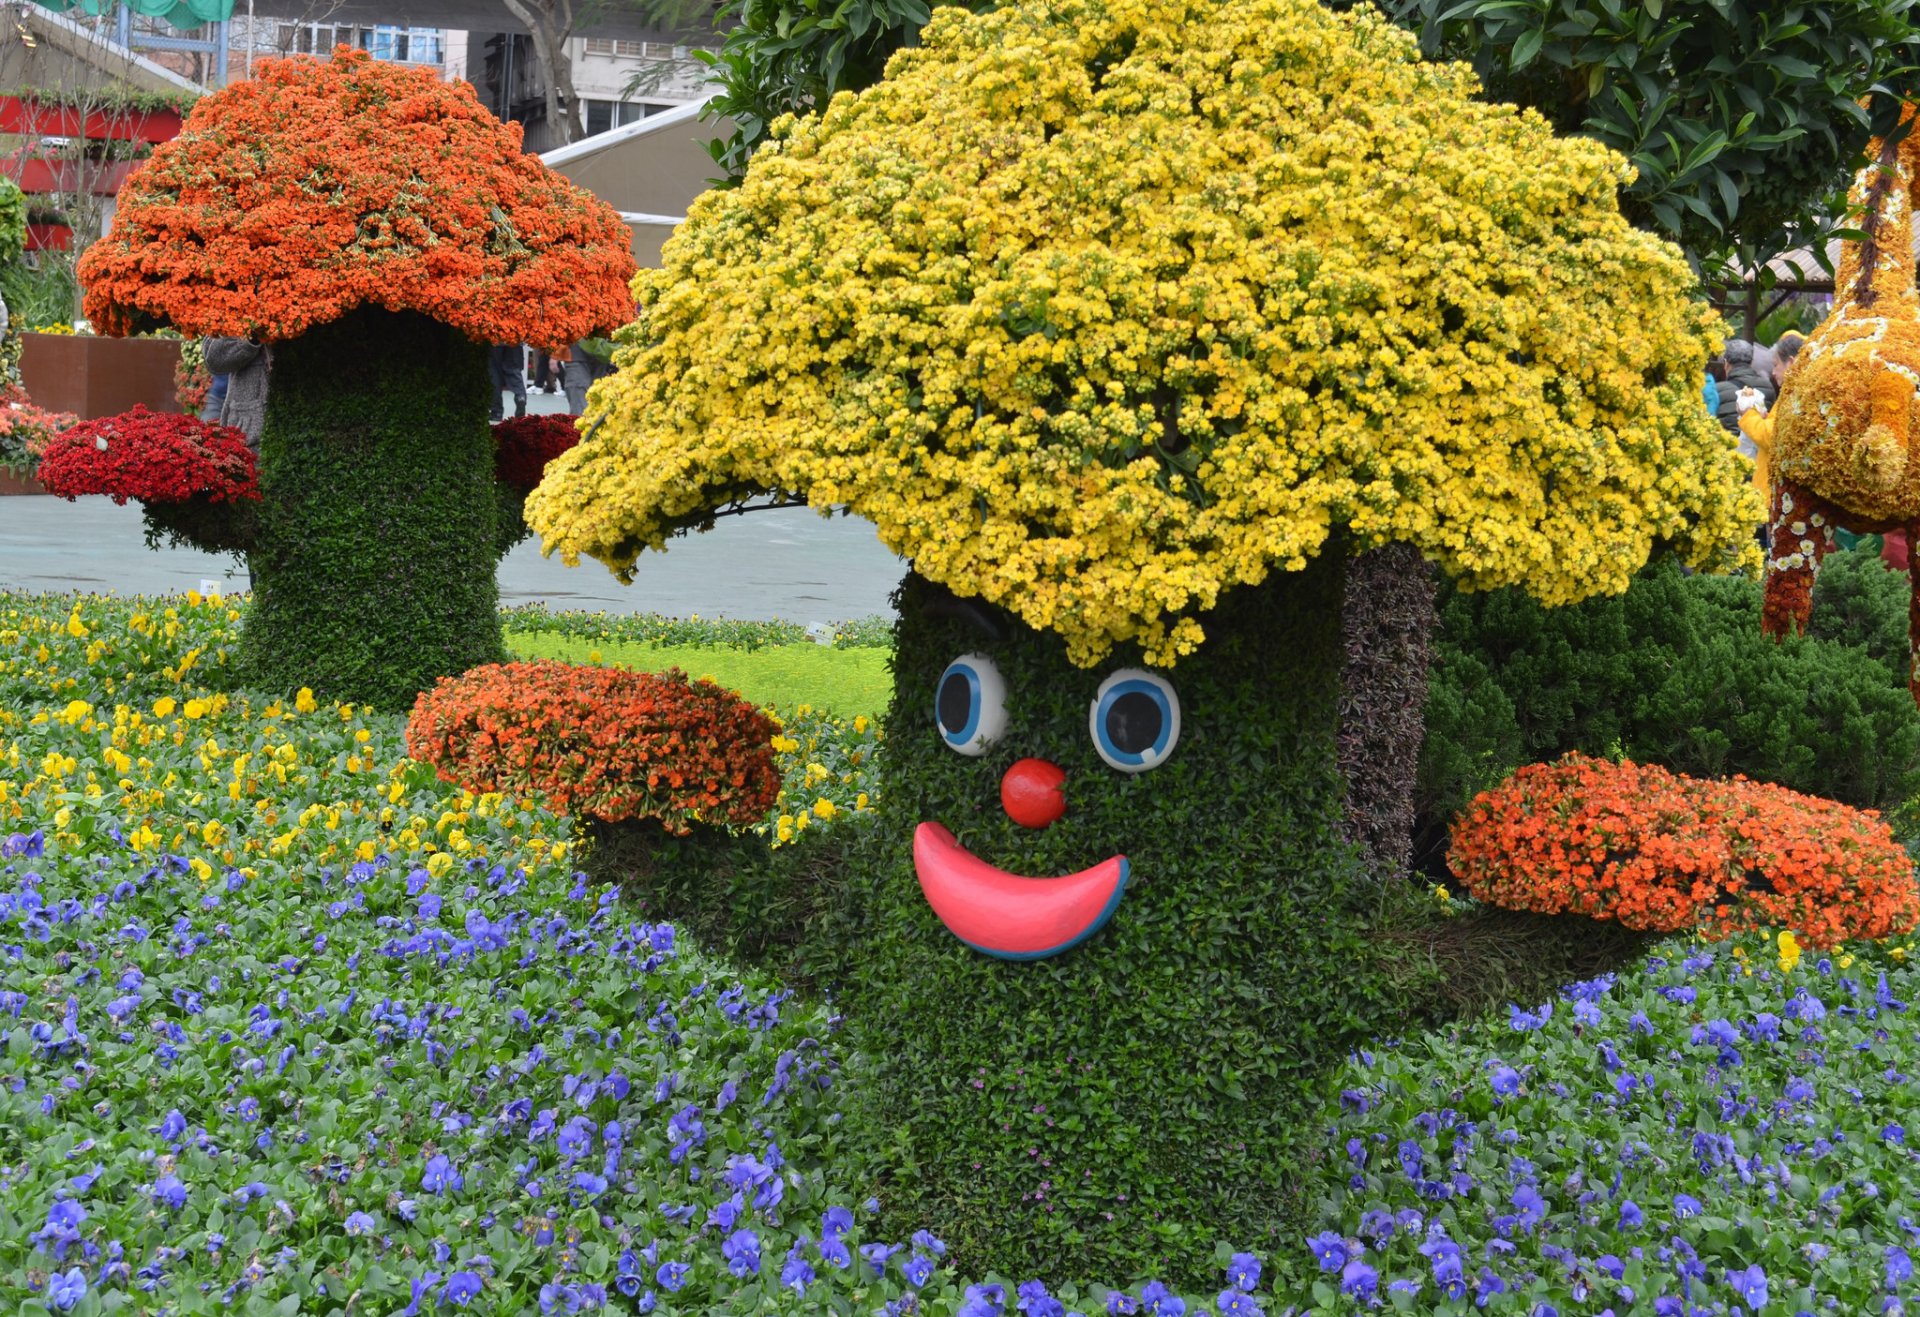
(1099, 308)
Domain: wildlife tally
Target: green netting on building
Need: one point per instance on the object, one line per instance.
(184, 14)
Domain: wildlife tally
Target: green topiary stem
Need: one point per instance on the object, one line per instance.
(374, 572)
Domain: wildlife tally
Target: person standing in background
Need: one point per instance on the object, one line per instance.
(246, 365)
(508, 362)
(1741, 374)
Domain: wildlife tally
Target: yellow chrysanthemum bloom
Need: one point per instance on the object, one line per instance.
(1099, 308)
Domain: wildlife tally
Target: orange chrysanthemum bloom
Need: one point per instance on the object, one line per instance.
(320, 186)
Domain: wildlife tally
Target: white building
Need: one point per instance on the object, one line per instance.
(619, 80)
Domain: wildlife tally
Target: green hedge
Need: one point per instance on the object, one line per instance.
(374, 571)
(1674, 672)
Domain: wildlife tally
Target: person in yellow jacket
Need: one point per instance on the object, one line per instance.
(1756, 425)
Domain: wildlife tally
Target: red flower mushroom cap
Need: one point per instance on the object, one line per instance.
(324, 185)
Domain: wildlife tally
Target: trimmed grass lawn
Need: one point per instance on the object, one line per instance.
(847, 682)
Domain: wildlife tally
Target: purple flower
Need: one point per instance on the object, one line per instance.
(1358, 1280)
(742, 1252)
(66, 1288)
(440, 1176)
(796, 1275)
(1506, 1080)
(671, 1276)
(463, 1287)
(833, 1252)
(361, 1223)
(1899, 1266)
(1243, 1271)
(1526, 1021)
(1329, 1249)
(1750, 1285)
(1686, 1205)
(168, 1191)
(1233, 1303)
(1631, 1217)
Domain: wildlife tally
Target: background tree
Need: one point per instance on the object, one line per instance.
(551, 24)
(1128, 322)
(1742, 119)
(377, 228)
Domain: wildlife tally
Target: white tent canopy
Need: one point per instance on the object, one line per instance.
(649, 170)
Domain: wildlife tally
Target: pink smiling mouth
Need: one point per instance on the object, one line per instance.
(1004, 914)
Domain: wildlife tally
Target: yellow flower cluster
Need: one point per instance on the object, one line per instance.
(1098, 308)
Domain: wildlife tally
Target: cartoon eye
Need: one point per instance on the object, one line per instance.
(971, 704)
(1135, 720)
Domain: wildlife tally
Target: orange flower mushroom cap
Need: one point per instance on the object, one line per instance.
(321, 186)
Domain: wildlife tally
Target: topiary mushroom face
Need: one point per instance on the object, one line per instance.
(1168, 930)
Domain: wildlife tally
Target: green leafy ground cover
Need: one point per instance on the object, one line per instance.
(848, 682)
(290, 1026)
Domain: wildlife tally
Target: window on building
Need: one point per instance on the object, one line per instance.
(403, 45)
(603, 116)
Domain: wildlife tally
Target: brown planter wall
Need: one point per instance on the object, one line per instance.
(94, 377)
(12, 484)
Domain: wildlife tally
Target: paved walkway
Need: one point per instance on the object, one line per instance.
(789, 564)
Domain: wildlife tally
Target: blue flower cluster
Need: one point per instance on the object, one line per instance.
(1711, 1135)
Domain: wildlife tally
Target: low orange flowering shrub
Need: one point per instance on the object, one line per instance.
(318, 186)
(1661, 852)
(601, 742)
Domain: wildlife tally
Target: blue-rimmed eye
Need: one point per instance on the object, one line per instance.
(1135, 721)
(970, 705)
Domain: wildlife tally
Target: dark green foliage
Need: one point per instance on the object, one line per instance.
(1674, 672)
(1741, 118)
(791, 56)
(1485, 957)
(731, 891)
(375, 569)
(1859, 600)
(202, 526)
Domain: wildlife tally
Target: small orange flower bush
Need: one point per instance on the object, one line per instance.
(601, 742)
(318, 186)
(1661, 852)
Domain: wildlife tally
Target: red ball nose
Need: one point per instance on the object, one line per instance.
(1031, 792)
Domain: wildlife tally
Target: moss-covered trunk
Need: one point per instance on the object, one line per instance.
(1119, 1107)
(374, 571)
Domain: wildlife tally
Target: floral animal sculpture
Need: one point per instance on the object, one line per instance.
(1128, 321)
(1846, 423)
